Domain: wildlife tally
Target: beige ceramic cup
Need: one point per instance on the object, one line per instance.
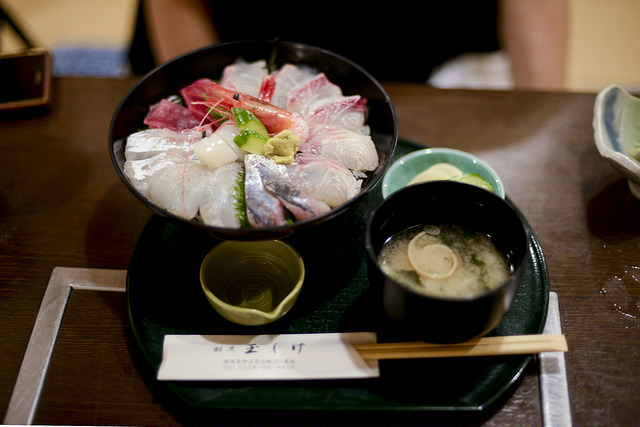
(252, 282)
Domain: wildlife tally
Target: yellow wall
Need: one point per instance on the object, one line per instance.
(604, 44)
(83, 22)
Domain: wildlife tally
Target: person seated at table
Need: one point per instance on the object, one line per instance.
(398, 43)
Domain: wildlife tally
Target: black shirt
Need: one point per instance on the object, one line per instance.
(394, 42)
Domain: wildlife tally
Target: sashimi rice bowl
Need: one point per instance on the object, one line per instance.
(253, 140)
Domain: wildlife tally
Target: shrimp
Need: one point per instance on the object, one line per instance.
(205, 94)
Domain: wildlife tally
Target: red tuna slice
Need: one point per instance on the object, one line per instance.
(169, 115)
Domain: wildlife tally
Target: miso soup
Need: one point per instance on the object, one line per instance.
(444, 261)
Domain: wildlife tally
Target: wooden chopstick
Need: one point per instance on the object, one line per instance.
(487, 346)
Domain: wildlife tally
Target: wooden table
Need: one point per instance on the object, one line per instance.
(62, 204)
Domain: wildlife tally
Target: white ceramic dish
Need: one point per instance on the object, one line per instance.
(616, 125)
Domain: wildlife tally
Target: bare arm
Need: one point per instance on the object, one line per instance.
(534, 35)
(177, 26)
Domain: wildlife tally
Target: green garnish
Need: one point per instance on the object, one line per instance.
(475, 179)
(240, 204)
(476, 261)
(253, 135)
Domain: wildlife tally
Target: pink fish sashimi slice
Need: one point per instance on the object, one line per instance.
(346, 113)
(287, 78)
(300, 127)
(319, 89)
(169, 115)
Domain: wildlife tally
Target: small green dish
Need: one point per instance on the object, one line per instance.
(416, 162)
(252, 282)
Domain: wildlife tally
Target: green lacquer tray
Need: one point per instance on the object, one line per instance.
(164, 297)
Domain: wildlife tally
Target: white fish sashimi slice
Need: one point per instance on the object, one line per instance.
(139, 172)
(219, 148)
(288, 77)
(307, 96)
(325, 179)
(263, 209)
(179, 188)
(218, 206)
(347, 113)
(353, 150)
(151, 142)
(245, 77)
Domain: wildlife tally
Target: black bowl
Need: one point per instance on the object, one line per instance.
(209, 62)
(441, 319)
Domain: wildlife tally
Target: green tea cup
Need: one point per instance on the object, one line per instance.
(252, 282)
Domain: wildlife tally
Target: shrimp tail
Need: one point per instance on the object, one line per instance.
(203, 93)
